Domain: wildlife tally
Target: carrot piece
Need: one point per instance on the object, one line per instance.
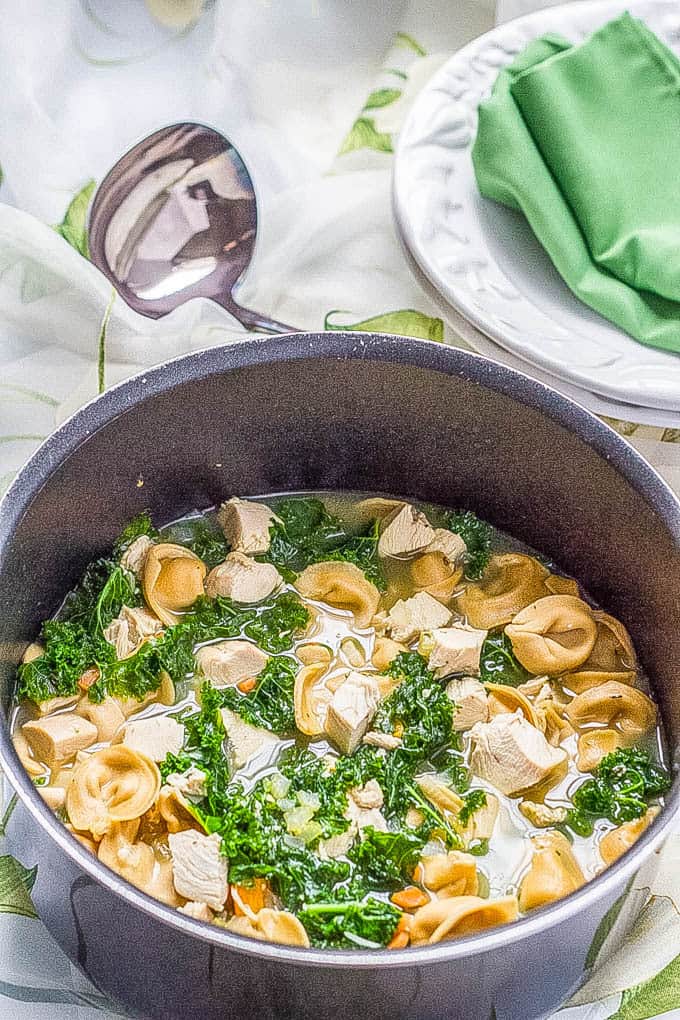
(250, 897)
(410, 898)
(246, 686)
(399, 941)
(88, 678)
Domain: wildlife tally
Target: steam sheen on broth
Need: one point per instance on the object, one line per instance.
(340, 720)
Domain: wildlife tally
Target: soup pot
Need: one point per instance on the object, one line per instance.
(355, 412)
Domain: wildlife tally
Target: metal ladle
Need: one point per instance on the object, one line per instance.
(176, 218)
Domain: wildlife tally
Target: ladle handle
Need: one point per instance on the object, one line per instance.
(253, 320)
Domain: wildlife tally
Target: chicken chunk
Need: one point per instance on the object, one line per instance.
(542, 815)
(191, 784)
(57, 738)
(155, 737)
(387, 741)
(228, 662)
(363, 807)
(471, 700)
(245, 741)
(246, 525)
(130, 628)
(351, 710)
(511, 754)
(456, 649)
(409, 532)
(409, 617)
(243, 579)
(199, 870)
(134, 557)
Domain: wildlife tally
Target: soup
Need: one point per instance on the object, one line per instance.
(340, 720)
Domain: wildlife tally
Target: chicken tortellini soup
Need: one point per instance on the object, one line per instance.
(341, 722)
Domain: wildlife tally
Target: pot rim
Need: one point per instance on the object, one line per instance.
(251, 352)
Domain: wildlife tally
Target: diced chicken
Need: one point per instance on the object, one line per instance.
(245, 741)
(409, 532)
(191, 784)
(511, 754)
(449, 544)
(199, 911)
(410, 617)
(337, 846)
(351, 710)
(456, 649)
(155, 737)
(246, 525)
(56, 738)
(199, 870)
(228, 662)
(242, 579)
(54, 704)
(542, 815)
(134, 557)
(106, 715)
(130, 628)
(363, 807)
(471, 700)
(384, 740)
(369, 795)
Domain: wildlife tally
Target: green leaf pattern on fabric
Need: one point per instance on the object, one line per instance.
(73, 227)
(406, 322)
(381, 97)
(364, 135)
(652, 998)
(16, 883)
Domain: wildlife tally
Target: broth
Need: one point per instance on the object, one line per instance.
(381, 817)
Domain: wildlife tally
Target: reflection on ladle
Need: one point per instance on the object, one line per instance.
(175, 219)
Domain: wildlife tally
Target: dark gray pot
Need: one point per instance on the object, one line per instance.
(336, 411)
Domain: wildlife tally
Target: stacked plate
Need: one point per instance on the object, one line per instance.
(482, 260)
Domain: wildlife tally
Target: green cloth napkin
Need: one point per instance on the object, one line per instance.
(585, 141)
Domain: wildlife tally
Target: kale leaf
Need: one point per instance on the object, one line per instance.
(138, 526)
(498, 664)
(622, 784)
(276, 626)
(477, 535)
(307, 533)
(386, 860)
(418, 709)
(203, 536)
(474, 800)
(69, 651)
(271, 702)
(345, 924)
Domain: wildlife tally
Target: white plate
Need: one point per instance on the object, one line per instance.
(482, 257)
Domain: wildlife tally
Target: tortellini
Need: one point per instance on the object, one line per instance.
(172, 580)
(134, 861)
(458, 916)
(553, 873)
(619, 706)
(553, 635)
(341, 585)
(451, 874)
(593, 745)
(312, 698)
(271, 926)
(439, 568)
(511, 581)
(115, 784)
(615, 843)
(503, 698)
(612, 658)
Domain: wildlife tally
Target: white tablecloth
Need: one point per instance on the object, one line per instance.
(287, 80)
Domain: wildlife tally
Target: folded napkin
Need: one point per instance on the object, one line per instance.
(584, 140)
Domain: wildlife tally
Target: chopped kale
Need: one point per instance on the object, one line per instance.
(203, 536)
(622, 785)
(270, 703)
(276, 626)
(307, 533)
(477, 535)
(498, 664)
(418, 709)
(474, 800)
(69, 651)
(138, 526)
(342, 924)
(386, 860)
